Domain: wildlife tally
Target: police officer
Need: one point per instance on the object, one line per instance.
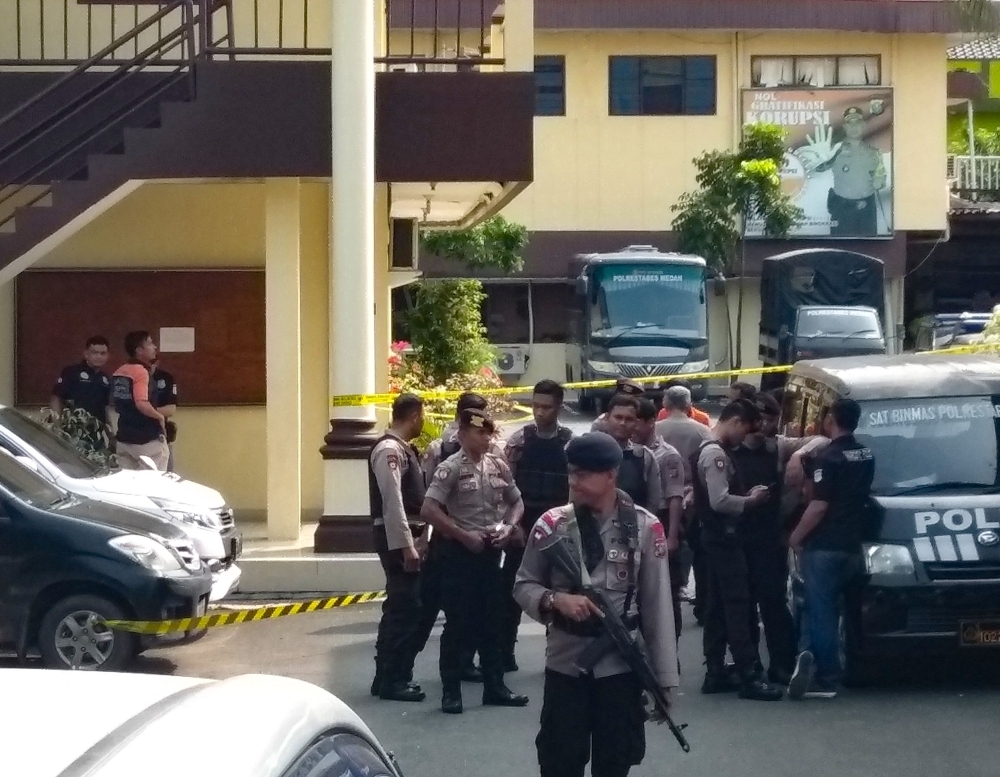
(444, 447)
(164, 390)
(536, 455)
(639, 473)
(858, 175)
(483, 508)
(761, 460)
(86, 386)
(396, 494)
(828, 541)
(672, 482)
(623, 386)
(720, 504)
(600, 714)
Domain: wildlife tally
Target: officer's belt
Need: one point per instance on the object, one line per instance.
(415, 526)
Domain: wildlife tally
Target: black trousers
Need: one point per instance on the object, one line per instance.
(396, 646)
(511, 609)
(473, 609)
(699, 565)
(584, 716)
(767, 562)
(678, 580)
(730, 609)
(430, 593)
(855, 218)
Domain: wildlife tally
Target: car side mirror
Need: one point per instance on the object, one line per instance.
(583, 286)
(147, 462)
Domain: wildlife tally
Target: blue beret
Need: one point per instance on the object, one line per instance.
(594, 452)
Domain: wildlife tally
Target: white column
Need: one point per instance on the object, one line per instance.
(519, 36)
(352, 244)
(282, 283)
(352, 275)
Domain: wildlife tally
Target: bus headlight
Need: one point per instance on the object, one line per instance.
(887, 559)
(607, 368)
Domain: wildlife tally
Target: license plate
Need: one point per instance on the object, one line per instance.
(202, 607)
(980, 634)
(237, 546)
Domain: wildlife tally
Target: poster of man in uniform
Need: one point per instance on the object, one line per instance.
(838, 167)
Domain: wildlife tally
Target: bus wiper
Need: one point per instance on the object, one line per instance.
(944, 485)
(629, 330)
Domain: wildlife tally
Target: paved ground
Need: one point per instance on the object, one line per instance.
(930, 719)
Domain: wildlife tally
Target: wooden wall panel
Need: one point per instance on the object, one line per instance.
(58, 310)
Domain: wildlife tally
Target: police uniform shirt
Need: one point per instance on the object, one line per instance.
(474, 494)
(685, 435)
(433, 455)
(716, 471)
(855, 168)
(653, 598)
(842, 477)
(391, 462)
(164, 389)
(85, 388)
(671, 468)
(655, 500)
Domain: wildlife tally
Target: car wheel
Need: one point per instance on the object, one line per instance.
(74, 634)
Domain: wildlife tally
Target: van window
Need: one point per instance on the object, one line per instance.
(920, 444)
(27, 485)
(60, 452)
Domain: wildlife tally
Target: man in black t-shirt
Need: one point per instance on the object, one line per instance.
(828, 540)
(85, 385)
(163, 389)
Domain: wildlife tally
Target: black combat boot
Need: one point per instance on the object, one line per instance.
(451, 699)
(496, 694)
(400, 690)
(472, 673)
(755, 689)
(720, 678)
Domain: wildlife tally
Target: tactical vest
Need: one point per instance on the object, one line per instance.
(541, 473)
(628, 535)
(412, 484)
(134, 427)
(759, 467)
(632, 475)
(714, 525)
(449, 448)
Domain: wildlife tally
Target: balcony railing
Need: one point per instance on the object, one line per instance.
(419, 35)
(975, 178)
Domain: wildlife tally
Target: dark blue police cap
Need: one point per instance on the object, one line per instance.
(594, 452)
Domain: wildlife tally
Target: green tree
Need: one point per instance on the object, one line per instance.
(445, 320)
(976, 15)
(736, 188)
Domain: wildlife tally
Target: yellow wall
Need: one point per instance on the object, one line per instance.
(595, 171)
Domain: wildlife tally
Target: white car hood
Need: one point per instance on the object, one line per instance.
(160, 485)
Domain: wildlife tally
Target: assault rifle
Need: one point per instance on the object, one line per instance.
(615, 636)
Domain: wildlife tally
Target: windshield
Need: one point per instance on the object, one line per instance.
(27, 485)
(819, 322)
(651, 299)
(59, 451)
(923, 442)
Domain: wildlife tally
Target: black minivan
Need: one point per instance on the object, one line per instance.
(69, 565)
(931, 581)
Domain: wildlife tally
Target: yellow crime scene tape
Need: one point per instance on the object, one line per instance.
(357, 400)
(249, 615)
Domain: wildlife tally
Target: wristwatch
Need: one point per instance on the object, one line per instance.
(547, 604)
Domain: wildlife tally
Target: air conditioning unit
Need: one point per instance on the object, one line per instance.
(404, 244)
(512, 359)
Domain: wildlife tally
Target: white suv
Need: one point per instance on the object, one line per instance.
(201, 512)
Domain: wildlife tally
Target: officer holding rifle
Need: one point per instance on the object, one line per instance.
(593, 700)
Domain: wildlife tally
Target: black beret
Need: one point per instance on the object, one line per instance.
(477, 418)
(630, 387)
(594, 452)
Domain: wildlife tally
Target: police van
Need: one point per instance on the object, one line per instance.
(931, 578)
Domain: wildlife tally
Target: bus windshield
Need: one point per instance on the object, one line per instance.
(650, 299)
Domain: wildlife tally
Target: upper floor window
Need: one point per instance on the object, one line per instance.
(819, 72)
(550, 86)
(661, 86)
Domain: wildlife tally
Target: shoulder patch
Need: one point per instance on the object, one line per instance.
(818, 475)
(720, 463)
(547, 525)
(441, 473)
(392, 460)
(659, 540)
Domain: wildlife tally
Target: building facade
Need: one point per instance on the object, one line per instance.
(627, 94)
(240, 179)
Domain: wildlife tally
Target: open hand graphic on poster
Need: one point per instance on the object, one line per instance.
(819, 150)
